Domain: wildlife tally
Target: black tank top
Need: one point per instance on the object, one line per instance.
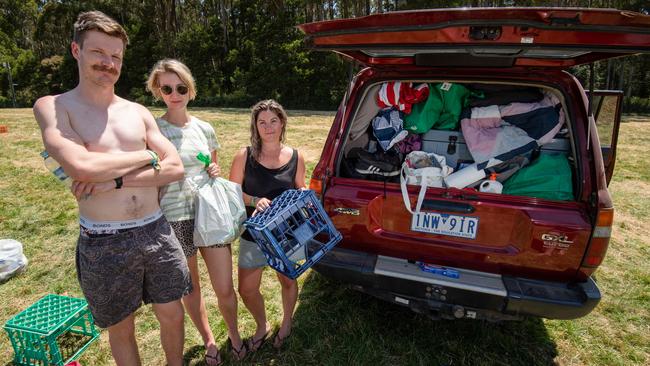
(260, 181)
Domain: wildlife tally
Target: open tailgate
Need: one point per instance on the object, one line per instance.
(489, 37)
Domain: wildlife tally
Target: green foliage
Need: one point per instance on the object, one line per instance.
(630, 74)
(239, 51)
(637, 105)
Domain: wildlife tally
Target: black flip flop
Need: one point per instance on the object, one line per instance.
(216, 358)
(254, 345)
(279, 340)
(237, 353)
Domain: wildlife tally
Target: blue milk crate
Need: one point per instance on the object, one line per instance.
(294, 232)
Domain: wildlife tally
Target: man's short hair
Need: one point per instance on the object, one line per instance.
(96, 20)
(176, 67)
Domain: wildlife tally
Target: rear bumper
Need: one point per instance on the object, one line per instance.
(471, 294)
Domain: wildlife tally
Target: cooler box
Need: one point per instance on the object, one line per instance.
(294, 232)
(449, 144)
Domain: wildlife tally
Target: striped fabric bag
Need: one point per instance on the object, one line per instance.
(401, 95)
(387, 128)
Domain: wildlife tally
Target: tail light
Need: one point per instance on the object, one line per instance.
(599, 241)
(316, 185)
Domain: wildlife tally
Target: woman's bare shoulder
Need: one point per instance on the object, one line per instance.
(288, 149)
(240, 154)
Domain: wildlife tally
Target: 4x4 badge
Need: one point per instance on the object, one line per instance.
(347, 211)
(555, 240)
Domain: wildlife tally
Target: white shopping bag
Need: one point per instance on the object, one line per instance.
(427, 176)
(12, 259)
(219, 212)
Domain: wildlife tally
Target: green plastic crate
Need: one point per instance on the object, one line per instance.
(52, 331)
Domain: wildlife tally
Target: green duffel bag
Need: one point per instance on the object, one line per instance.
(441, 110)
(548, 176)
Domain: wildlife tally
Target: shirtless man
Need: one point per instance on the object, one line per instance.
(117, 157)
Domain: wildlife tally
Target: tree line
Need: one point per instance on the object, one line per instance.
(239, 51)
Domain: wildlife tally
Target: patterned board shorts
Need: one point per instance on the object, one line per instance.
(118, 272)
(184, 231)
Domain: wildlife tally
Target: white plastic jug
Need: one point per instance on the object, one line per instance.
(491, 185)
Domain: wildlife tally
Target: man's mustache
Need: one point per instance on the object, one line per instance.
(108, 69)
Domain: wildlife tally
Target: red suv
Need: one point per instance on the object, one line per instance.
(518, 254)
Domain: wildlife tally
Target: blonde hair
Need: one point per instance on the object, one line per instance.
(170, 65)
(265, 105)
(98, 21)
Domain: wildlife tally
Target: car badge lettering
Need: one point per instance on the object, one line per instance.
(556, 240)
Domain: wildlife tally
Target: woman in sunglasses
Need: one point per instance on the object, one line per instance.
(171, 81)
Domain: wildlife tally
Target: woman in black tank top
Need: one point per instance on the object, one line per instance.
(263, 182)
(265, 169)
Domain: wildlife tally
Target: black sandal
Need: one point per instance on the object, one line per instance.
(237, 353)
(216, 358)
(253, 345)
(279, 341)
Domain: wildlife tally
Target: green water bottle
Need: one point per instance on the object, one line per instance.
(56, 169)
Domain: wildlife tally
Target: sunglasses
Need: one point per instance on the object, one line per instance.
(180, 89)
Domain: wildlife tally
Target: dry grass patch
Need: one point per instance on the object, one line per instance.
(334, 325)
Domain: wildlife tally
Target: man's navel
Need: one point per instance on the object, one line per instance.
(134, 207)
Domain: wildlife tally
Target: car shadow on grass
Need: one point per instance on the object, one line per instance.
(334, 325)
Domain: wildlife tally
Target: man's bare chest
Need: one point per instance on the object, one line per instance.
(113, 130)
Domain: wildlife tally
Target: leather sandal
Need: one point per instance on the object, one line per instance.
(211, 360)
(255, 344)
(238, 354)
(279, 341)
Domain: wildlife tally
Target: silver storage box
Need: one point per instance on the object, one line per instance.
(449, 144)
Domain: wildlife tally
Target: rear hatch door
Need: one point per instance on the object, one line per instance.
(490, 37)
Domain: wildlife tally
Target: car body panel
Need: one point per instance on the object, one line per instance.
(541, 37)
(609, 125)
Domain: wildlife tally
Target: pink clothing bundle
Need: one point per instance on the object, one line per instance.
(505, 131)
(401, 95)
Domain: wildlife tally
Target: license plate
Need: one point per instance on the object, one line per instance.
(445, 224)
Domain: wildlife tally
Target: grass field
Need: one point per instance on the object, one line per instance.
(335, 325)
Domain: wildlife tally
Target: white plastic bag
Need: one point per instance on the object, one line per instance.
(235, 203)
(219, 212)
(12, 259)
(426, 176)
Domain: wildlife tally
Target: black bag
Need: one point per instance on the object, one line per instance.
(502, 94)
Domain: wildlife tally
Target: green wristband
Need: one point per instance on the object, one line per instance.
(155, 159)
